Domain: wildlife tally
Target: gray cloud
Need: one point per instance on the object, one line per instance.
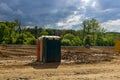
(67, 14)
(5, 7)
(112, 25)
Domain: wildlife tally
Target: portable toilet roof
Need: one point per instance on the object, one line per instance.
(49, 37)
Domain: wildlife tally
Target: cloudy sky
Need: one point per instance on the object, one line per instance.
(62, 14)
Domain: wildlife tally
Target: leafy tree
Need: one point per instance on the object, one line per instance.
(70, 31)
(87, 40)
(44, 33)
(91, 27)
(91, 33)
(99, 41)
(94, 28)
(68, 36)
(76, 41)
(84, 25)
(4, 33)
(11, 26)
(71, 40)
(25, 38)
(36, 31)
(18, 25)
(66, 42)
(51, 31)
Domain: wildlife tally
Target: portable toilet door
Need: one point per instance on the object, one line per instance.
(51, 49)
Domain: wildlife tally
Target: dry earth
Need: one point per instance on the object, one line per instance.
(18, 63)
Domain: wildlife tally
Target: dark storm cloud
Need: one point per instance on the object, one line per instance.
(38, 12)
(58, 13)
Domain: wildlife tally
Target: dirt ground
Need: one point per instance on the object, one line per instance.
(19, 63)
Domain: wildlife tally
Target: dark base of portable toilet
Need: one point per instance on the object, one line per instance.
(49, 49)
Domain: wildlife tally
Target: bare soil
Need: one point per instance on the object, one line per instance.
(19, 63)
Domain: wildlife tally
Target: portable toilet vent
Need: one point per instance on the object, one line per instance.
(49, 49)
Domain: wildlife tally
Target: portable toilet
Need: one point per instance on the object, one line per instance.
(49, 49)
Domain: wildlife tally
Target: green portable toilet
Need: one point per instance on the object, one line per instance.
(49, 49)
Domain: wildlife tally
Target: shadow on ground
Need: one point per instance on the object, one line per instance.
(40, 65)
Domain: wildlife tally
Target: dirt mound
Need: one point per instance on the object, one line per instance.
(78, 57)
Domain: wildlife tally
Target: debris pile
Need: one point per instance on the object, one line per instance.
(78, 57)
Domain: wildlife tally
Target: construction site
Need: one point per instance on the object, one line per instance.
(18, 62)
(59, 40)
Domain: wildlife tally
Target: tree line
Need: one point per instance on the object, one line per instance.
(91, 34)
